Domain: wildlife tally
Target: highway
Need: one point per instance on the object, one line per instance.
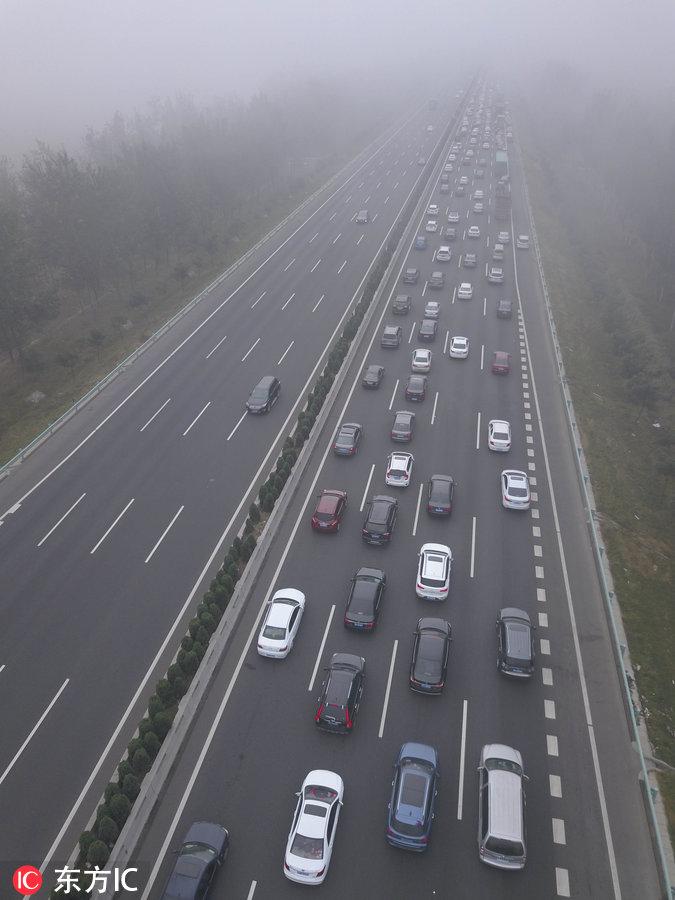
(111, 529)
(255, 739)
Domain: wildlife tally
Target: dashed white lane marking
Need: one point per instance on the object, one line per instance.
(316, 305)
(482, 356)
(283, 355)
(538, 571)
(164, 534)
(417, 509)
(462, 753)
(375, 216)
(562, 882)
(536, 531)
(289, 265)
(256, 302)
(330, 218)
(534, 496)
(388, 690)
(549, 709)
(293, 294)
(313, 238)
(543, 619)
(478, 432)
(433, 412)
(67, 513)
(555, 786)
(530, 452)
(98, 544)
(251, 890)
(250, 350)
(321, 646)
(360, 239)
(339, 271)
(393, 394)
(551, 745)
(211, 352)
(538, 550)
(196, 418)
(412, 331)
(337, 238)
(445, 345)
(558, 831)
(365, 492)
(531, 467)
(545, 647)
(473, 547)
(547, 676)
(535, 513)
(316, 265)
(154, 415)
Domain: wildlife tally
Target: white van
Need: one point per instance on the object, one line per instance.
(501, 807)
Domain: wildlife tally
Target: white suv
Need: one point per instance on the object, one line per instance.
(465, 291)
(433, 572)
(399, 469)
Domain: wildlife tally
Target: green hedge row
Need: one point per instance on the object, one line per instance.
(121, 793)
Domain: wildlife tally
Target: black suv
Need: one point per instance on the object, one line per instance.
(504, 309)
(515, 645)
(365, 597)
(338, 704)
(440, 491)
(402, 304)
(380, 519)
(427, 330)
(411, 275)
(429, 663)
(391, 336)
(264, 395)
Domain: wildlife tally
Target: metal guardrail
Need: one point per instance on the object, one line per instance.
(18, 458)
(620, 647)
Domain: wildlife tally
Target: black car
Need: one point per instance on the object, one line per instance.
(347, 440)
(515, 644)
(413, 794)
(381, 514)
(504, 309)
(411, 275)
(437, 280)
(404, 425)
(372, 377)
(427, 330)
(338, 704)
(365, 598)
(264, 395)
(460, 190)
(469, 261)
(391, 336)
(440, 491)
(416, 388)
(429, 663)
(450, 233)
(203, 850)
(402, 304)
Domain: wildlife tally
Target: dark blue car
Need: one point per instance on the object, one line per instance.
(414, 789)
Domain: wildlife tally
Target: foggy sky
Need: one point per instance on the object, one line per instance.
(69, 64)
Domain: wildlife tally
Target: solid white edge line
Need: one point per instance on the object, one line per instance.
(388, 689)
(96, 546)
(417, 509)
(32, 731)
(164, 534)
(154, 415)
(365, 492)
(196, 418)
(322, 646)
(54, 527)
(570, 606)
(462, 754)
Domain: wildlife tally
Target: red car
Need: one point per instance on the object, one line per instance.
(329, 510)
(501, 362)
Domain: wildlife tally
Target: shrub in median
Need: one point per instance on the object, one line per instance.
(108, 830)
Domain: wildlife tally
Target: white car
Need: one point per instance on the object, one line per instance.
(431, 226)
(444, 253)
(399, 469)
(433, 572)
(478, 207)
(452, 158)
(479, 195)
(421, 361)
(432, 209)
(496, 275)
(473, 232)
(310, 842)
(464, 180)
(515, 489)
(448, 167)
(459, 347)
(499, 435)
(432, 309)
(504, 237)
(281, 623)
(453, 217)
(465, 291)
(523, 242)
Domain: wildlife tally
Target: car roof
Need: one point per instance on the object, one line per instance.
(328, 501)
(501, 355)
(514, 475)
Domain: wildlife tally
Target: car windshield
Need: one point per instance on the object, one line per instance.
(307, 847)
(200, 851)
(260, 394)
(503, 765)
(504, 847)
